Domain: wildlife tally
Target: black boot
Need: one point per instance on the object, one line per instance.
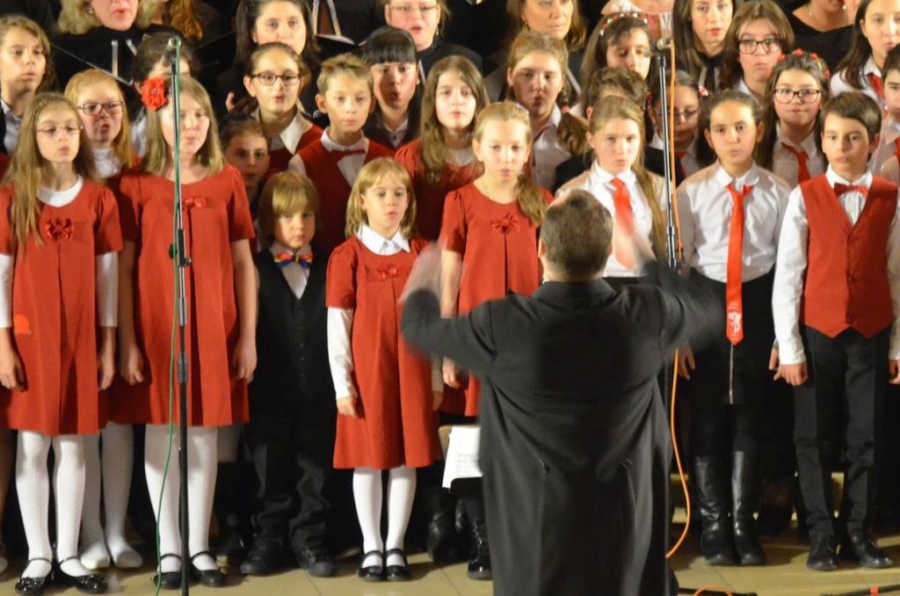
(442, 544)
(480, 561)
(230, 549)
(745, 500)
(712, 495)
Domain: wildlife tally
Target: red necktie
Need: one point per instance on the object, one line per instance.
(342, 153)
(800, 154)
(283, 259)
(877, 85)
(734, 310)
(840, 189)
(624, 218)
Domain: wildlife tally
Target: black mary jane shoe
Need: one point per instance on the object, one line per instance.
(211, 578)
(92, 583)
(396, 573)
(372, 573)
(168, 580)
(33, 586)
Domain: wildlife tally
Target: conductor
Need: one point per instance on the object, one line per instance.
(574, 449)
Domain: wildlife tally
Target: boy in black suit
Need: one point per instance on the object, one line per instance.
(292, 407)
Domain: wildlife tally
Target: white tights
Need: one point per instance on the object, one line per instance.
(202, 466)
(367, 493)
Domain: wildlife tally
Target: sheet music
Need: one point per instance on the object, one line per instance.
(462, 455)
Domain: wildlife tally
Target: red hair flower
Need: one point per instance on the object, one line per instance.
(153, 93)
(702, 91)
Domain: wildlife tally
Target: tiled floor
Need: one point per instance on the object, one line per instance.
(785, 575)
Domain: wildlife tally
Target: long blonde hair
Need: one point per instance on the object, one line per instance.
(84, 80)
(27, 166)
(210, 153)
(621, 108)
(75, 18)
(371, 174)
(528, 194)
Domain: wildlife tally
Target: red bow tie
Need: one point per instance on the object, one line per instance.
(342, 153)
(840, 189)
(283, 259)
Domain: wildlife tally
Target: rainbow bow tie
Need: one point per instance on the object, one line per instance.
(283, 259)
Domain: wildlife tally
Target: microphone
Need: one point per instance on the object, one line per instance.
(664, 44)
(174, 44)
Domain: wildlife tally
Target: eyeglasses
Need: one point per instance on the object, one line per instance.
(112, 108)
(53, 131)
(686, 115)
(268, 78)
(407, 9)
(770, 45)
(784, 95)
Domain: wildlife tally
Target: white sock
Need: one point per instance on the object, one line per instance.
(166, 510)
(33, 488)
(401, 490)
(68, 486)
(202, 468)
(93, 549)
(367, 495)
(118, 445)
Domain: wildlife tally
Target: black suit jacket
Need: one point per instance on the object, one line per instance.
(574, 445)
(291, 342)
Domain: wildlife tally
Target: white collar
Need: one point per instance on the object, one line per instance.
(293, 132)
(750, 177)
(8, 113)
(808, 144)
(375, 241)
(331, 145)
(833, 178)
(600, 175)
(871, 68)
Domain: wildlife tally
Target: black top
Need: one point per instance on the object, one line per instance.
(441, 49)
(831, 46)
(38, 11)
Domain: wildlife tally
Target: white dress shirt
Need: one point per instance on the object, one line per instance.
(787, 292)
(785, 164)
(548, 152)
(891, 169)
(13, 126)
(107, 269)
(598, 182)
(290, 137)
(349, 165)
(840, 85)
(107, 164)
(295, 274)
(890, 132)
(704, 209)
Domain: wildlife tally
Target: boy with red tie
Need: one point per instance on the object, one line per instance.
(835, 300)
(346, 95)
(292, 411)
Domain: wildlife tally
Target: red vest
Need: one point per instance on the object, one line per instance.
(334, 190)
(847, 276)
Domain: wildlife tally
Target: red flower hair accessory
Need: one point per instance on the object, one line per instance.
(703, 91)
(153, 94)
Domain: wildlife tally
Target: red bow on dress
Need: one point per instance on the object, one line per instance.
(191, 202)
(59, 228)
(386, 272)
(509, 223)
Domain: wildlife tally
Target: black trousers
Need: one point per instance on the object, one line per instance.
(292, 454)
(850, 373)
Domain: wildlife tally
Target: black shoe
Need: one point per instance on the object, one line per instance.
(442, 542)
(479, 567)
(211, 578)
(863, 549)
(822, 553)
(745, 500)
(33, 586)
(712, 486)
(372, 573)
(316, 561)
(265, 557)
(93, 583)
(230, 550)
(397, 573)
(168, 580)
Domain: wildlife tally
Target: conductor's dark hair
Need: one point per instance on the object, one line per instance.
(854, 105)
(577, 232)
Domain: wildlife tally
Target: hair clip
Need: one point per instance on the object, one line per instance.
(702, 91)
(153, 93)
(621, 15)
(564, 109)
(812, 56)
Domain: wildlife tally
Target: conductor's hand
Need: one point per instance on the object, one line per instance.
(12, 375)
(244, 358)
(347, 406)
(451, 376)
(437, 398)
(794, 374)
(131, 363)
(686, 361)
(425, 274)
(632, 245)
(773, 363)
(894, 368)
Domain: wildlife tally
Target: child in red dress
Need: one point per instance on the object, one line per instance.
(221, 302)
(333, 162)
(489, 247)
(441, 160)
(386, 394)
(59, 239)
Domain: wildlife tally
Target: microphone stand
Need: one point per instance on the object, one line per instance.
(177, 251)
